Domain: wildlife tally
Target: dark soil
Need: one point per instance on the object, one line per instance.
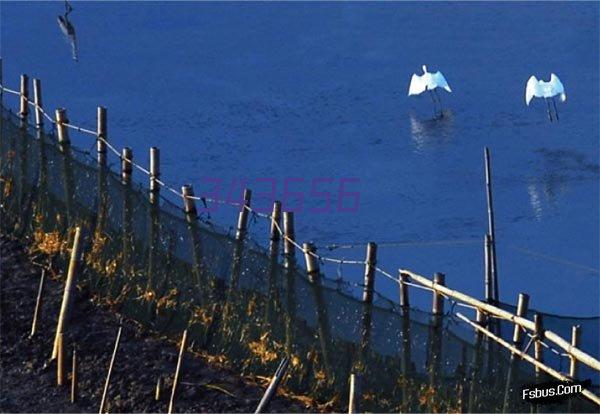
(28, 379)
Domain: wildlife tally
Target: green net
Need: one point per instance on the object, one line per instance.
(247, 305)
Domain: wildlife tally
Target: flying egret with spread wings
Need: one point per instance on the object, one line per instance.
(428, 82)
(541, 89)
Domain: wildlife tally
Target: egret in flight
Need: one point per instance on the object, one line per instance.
(429, 82)
(542, 89)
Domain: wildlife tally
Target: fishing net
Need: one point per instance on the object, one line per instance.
(249, 305)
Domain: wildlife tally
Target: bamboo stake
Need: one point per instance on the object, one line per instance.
(404, 302)
(276, 221)
(591, 396)
(126, 165)
(522, 308)
(70, 286)
(371, 262)
(243, 216)
(109, 373)
(272, 388)
(158, 389)
(154, 174)
(61, 129)
(102, 136)
(37, 99)
(489, 296)
(177, 371)
(354, 396)
(189, 204)
(289, 235)
(312, 264)
(491, 226)
(24, 98)
(74, 377)
(539, 337)
(38, 304)
(437, 307)
(501, 313)
(575, 339)
(60, 360)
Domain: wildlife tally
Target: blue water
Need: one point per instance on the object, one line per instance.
(269, 91)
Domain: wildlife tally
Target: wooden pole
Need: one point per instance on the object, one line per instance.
(109, 373)
(177, 370)
(404, 302)
(289, 234)
(189, 204)
(61, 129)
(371, 262)
(243, 216)
(60, 360)
(522, 308)
(437, 307)
(126, 165)
(312, 264)
(276, 221)
(591, 396)
(272, 388)
(501, 313)
(38, 304)
(539, 337)
(37, 99)
(489, 294)
(575, 339)
(102, 136)
(491, 226)
(354, 395)
(157, 392)
(154, 174)
(24, 98)
(74, 377)
(70, 287)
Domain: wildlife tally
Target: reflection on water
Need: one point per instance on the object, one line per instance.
(431, 133)
(66, 26)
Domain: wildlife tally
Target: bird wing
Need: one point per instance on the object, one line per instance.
(557, 87)
(438, 80)
(532, 89)
(417, 85)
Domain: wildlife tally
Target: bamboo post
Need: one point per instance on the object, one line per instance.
(575, 340)
(539, 337)
(489, 295)
(272, 388)
(61, 129)
(74, 377)
(522, 308)
(126, 165)
(154, 174)
(60, 361)
(37, 99)
(289, 235)
(491, 226)
(588, 394)
(189, 204)
(177, 370)
(437, 307)
(276, 221)
(157, 391)
(243, 216)
(109, 373)
(70, 286)
(38, 304)
(102, 136)
(404, 302)
(354, 395)
(370, 263)
(24, 98)
(312, 264)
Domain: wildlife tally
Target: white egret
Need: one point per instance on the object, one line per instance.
(428, 82)
(541, 89)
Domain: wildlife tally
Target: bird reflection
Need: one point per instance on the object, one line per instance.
(431, 133)
(68, 29)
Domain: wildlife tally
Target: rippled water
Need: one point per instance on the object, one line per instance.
(290, 90)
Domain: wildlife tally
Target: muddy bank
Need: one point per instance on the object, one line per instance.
(28, 380)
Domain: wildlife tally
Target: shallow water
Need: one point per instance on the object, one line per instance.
(292, 90)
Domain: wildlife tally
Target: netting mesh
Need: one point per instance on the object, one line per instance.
(246, 303)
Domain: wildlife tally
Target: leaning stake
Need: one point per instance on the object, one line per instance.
(272, 388)
(110, 368)
(177, 371)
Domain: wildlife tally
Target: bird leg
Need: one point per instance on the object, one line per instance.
(555, 110)
(440, 101)
(549, 112)
(434, 104)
